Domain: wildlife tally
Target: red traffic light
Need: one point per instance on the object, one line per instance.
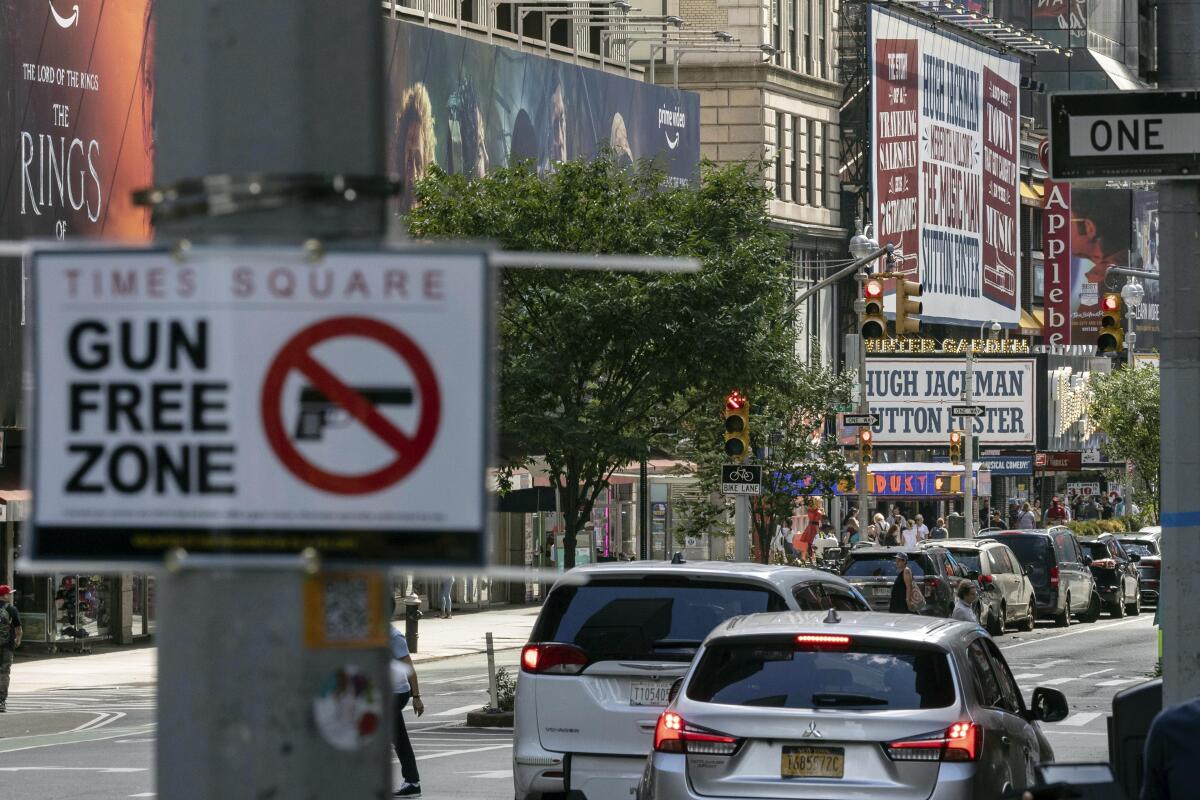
(735, 400)
(1111, 302)
(872, 290)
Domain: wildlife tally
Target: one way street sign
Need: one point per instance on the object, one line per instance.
(967, 411)
(861, 419)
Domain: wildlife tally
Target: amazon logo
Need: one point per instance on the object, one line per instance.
(69, 21)
(674, 120)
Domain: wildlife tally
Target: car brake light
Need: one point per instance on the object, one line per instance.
(1054, 577)
(985, 578)
(552, 658)
(823, 641)
(962, 741)
(673, 735)
(1105, 563)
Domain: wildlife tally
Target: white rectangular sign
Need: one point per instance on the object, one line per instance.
(913, 398)
(1127, 135)
(250, 401)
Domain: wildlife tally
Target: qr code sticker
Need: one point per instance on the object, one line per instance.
(347, 616)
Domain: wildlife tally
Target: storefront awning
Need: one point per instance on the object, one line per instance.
(14, 505)
(1031, 194)
(1032, 321)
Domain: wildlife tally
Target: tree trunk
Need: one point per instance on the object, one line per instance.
(570, 507)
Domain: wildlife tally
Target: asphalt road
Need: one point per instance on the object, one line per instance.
(109, 754)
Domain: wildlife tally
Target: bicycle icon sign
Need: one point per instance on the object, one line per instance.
(741, 479)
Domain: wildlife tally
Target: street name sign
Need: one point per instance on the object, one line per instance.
(254, 402)
(741, 479)
(861, 419)
(1125, 135)
(967, 411)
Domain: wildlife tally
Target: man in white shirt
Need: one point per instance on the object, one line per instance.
(404, 688)
(922, 529)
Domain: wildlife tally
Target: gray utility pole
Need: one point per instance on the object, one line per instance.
(1179, 227)
(741, 528)
(278, 96)
(864, 407)
(968, 483)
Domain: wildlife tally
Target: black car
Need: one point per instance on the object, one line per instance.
(1149, 575)
(1062, 583)
(872, 570)
(1116, 574)
(1005, 592)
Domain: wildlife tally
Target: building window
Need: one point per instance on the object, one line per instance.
(780, 158)
(777, 27)
(822, 61)
(815, 172)
(830, 166)
(792, 43)
(798, 184)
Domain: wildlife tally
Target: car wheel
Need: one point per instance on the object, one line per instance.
(1136, 608)
(1093, 610)
(996, 621)
(1029, 621)
(1063, 620)
(1117, 610)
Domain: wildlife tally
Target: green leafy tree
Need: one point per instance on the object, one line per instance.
(1125, 405)
(596, 366)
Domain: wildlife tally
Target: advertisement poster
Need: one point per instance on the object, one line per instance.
(470, 107)
(945, 167)
(1059, 15)
(1100, 228)
(913, 398)
(76, 138)
(1145, 256)
(1056, 246)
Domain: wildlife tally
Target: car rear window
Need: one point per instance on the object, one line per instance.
(879, 565)
(1033, 552)
(1096, 549)
(777, 674)
(1138, 548)
(646, 619)
(968, 558)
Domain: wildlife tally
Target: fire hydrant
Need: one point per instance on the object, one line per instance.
(412, 613)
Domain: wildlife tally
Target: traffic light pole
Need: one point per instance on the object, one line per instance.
(968, 450)
(864, 406)
(741, 528)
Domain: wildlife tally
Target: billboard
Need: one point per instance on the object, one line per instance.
(1145, 256)
(76, 138)
(1056, 247)
(944, 115)
(468, 107)
(913, 396)
(1100, 237)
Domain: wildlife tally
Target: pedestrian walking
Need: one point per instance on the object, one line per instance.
(892, 537)
(1106, 507)
(922, 528)
(909, 536)
(1057, 513)
(938, 531)
(906, 595)
(1172, 750)
(1025, 518)
(447, 589)
(964, 603)
(996, 521)
(1038, 513)
(10, 640)
(404, 688)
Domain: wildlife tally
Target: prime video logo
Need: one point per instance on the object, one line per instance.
(673, 118)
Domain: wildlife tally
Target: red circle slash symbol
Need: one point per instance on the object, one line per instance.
(297, 355)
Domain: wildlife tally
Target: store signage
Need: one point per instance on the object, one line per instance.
(1087, 489)
(1002, 466)
(948, 346)
(906, 483)
(913, 398)
(250, 401)
(945, 166)
(741, 478)
(1135, 135)
(1063, 461)
(1056, 246)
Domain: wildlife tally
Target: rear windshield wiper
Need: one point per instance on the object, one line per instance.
(846, 699)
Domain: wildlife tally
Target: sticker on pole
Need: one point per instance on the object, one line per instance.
(250, 401)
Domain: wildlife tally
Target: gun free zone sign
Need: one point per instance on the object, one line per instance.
(253, 401)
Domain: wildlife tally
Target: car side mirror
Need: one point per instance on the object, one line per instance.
(1087, 561)
(1049, 705)
(678, 684)
(973, 575)
(1134, 557)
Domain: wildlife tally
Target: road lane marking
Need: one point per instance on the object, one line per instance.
(495, 773)
(1051, 663)
(1146, 619)
(1029, 675)
(464, 752)
(1097, 672)
(1058, 681)
(1121, 681)
(73, 769)
(15, 745)
(463, 679)
(1053, 732)
(1082, 718)
(460, 710)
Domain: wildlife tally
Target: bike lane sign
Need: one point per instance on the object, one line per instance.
(741, 479)
(257, 402)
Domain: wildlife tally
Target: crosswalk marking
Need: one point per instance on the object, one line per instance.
(448, 753)
(450, 712)
(1120, 681)
(1097, 672)
(1025, 675)
(1082, 718)
(1058, 681)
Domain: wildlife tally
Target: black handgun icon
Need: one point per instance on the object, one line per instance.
(318, 412)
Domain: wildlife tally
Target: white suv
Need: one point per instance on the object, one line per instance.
(608, 644)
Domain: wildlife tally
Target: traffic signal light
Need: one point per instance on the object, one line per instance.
(874, 324)
(1112, 337)
(737, 426)
(866, 440)
(906, 307)
(955, 447)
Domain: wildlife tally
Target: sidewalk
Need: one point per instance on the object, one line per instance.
(108, 667)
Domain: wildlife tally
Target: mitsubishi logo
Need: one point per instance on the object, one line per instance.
(812, 732)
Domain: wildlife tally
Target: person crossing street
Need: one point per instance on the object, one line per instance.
(404, 688)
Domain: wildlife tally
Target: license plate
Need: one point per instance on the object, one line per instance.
(649, 693)
(812, 762)
(881, 591)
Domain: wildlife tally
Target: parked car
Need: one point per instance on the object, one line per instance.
(873, 571)
(1062, 583)
(1005, 592)
(608, 643)
(1116, 574)
(1149, 575)
(801, 705)
(1141, 544)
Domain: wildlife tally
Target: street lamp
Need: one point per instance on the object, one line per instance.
(862, 245)
(1133, 294)
(994, 331)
